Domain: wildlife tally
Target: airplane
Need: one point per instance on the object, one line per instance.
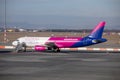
(55, 43)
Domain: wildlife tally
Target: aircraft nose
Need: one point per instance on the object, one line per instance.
(14, 43)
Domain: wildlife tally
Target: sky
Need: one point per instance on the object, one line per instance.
(60, 14)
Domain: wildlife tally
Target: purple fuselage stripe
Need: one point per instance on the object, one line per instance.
(64, 42)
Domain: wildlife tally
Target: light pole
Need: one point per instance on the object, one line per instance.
(5, 32)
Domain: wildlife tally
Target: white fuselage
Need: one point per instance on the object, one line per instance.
(31, 41)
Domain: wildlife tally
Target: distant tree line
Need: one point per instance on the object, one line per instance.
(52, 30)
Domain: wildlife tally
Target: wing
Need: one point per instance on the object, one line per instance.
(51, 45)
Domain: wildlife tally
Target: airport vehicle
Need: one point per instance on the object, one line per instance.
(55, 43)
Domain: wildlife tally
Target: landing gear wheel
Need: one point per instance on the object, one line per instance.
(58, 50)
(24, 47)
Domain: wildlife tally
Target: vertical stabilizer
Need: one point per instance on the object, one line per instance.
(98, 31)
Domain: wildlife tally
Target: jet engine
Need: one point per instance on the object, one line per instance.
(40, 48)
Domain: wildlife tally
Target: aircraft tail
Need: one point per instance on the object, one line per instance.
(97, 31)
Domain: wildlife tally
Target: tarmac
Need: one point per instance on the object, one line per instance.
(66, 65)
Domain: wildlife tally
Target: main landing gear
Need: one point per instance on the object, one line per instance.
(55, 49)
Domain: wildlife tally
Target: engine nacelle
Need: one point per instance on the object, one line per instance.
(40, 48)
